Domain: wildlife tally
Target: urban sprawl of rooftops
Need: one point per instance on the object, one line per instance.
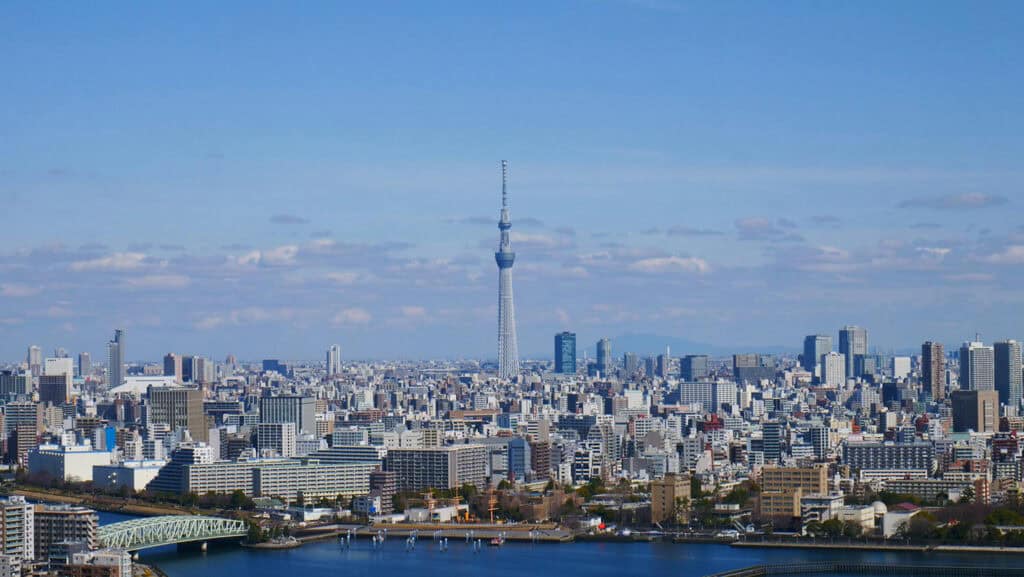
(748, 443)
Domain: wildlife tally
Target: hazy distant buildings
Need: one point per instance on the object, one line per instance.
(752, 368)
(115, 359)
(565, 353)
(977, 367)
(84, 364)
(933, 370)
(1008, 376)
(34, 360)
(333, 360)
(630, 363)
(853, 343)
(604, 356)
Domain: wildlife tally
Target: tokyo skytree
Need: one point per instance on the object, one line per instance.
(508, 347)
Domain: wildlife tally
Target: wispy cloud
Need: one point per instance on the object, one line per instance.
(683, 230)
(670, 264)
(288, 219)
(351, 316)
(759, 228)
(970, 200)
(116, 261)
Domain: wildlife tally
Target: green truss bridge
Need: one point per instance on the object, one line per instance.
(149, 532)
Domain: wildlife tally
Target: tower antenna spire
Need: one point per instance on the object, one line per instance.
(504, 184)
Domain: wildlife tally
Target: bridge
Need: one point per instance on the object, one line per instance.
(168, 530)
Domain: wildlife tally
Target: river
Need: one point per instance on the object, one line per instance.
(512, 560)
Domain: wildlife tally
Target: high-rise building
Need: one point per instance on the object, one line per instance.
(565, 353)
(84, 364)
(115, 359)
(604, 356)
(833, 369)
(753, 368)
(34, 360)
(333, 360)
(694, 368)
(815, 347)
(975, 410)
(279, 439)
(188, 369)
(1008, 374)
(630, 363)
(289, 409)
(977, 367)
(772, 438)
(172, 367)
(933, 369)
(55, 389)
(17, 530)
(853, 342)
(178, 408)
(508, 344)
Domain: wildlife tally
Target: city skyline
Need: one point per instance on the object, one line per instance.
(736, 177)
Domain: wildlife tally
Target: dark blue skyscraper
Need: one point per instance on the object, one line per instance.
(565, 353)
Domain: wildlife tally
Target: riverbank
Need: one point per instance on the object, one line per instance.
(902, 547)
(99, 503)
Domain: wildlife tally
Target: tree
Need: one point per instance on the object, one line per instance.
(967, 496)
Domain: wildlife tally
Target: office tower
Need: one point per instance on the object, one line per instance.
(34, 360)
(604, 356)
(853, 342)
(188, 369)
(833, 369)
(13, 385)
(289, 409)
(203, 370)
(178, 408)
(815, 347)
(333, 360)
(22, 414)
(55, 389)
(115, 359)
(17, 530)
(84, 364)
(630, 363)
(975, 410)
(977, 367)
(1008, 375)
(59, 366)
(565, 353)
(172, 367)
(663, 367)
(900, 368)
(933, 369)
(508, 345)
(752, 368)
(695, 368)
(277, 438)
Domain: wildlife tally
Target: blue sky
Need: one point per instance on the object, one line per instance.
(267, 178)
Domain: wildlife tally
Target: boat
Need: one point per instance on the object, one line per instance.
(497, 541)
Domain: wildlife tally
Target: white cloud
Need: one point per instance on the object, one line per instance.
(1013, 254)
(671, 264)
(414, 312)
(209, 323)
(281, 256)
(116, 261)
(159, 281)
(351, 316)
(936, 252)
(346, 277)
(18, 290)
